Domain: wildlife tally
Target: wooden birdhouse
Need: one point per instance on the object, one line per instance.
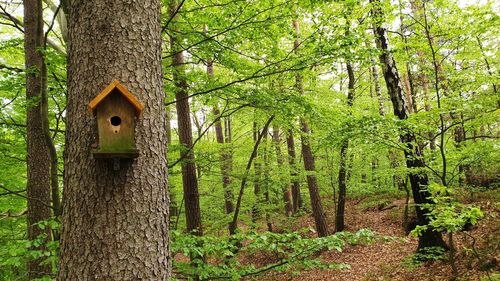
(116, 110)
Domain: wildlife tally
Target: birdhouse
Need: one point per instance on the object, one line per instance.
(116, 110)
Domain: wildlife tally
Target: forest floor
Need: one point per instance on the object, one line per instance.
(391, 260)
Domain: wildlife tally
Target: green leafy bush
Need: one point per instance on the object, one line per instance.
(446, 214)
(221, 257)
(15, 255)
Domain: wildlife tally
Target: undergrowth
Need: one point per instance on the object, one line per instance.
(222, 257)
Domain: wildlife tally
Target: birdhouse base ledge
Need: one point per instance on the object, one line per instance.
(115, 154)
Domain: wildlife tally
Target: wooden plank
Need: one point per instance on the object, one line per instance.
(116, 137)
(104, 154)
(104, 93)
(139, 107)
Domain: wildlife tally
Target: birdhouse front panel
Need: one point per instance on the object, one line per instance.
(116, 110)
(116, 124)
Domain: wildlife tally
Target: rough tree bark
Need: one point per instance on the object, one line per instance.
(413, 154)
(38, 157)
(307, 155)
(115, 223)
(189, 180)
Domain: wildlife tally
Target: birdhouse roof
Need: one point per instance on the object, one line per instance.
(139, 107)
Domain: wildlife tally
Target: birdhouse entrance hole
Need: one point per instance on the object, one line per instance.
(116, 120)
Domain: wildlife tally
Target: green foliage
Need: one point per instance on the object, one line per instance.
(425, 255)
(446, 214)
(222, 256)
(15, 254)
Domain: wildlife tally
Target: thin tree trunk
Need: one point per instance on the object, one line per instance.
(54, 176)
(393, 159)
(168, 117)
(287, 196)
(413, 154)
(452, 257)
(408, 76)
(339, 215)
(423, 76)
(61, 17)
(115, 222)
(307, 155)
(38, 156)
(224, 152)
(225, 165)
(189, 179)
(374, 166)
(459, 137)
(228, 140)
(380, 97)
(425, 89)
(174, 206)
(234, 222)
(309, 165)
(199, 130)
(488, 67)
(297, 199)
(257, 167)
(267, 180)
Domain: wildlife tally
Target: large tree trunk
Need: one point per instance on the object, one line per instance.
(189, 180)
(38, 157)
(339, 215)
(309, 162)
(287, 196)
(296, 196)
(413, 154)
(115, 222)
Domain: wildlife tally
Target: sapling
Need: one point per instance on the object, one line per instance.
(448, 215)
